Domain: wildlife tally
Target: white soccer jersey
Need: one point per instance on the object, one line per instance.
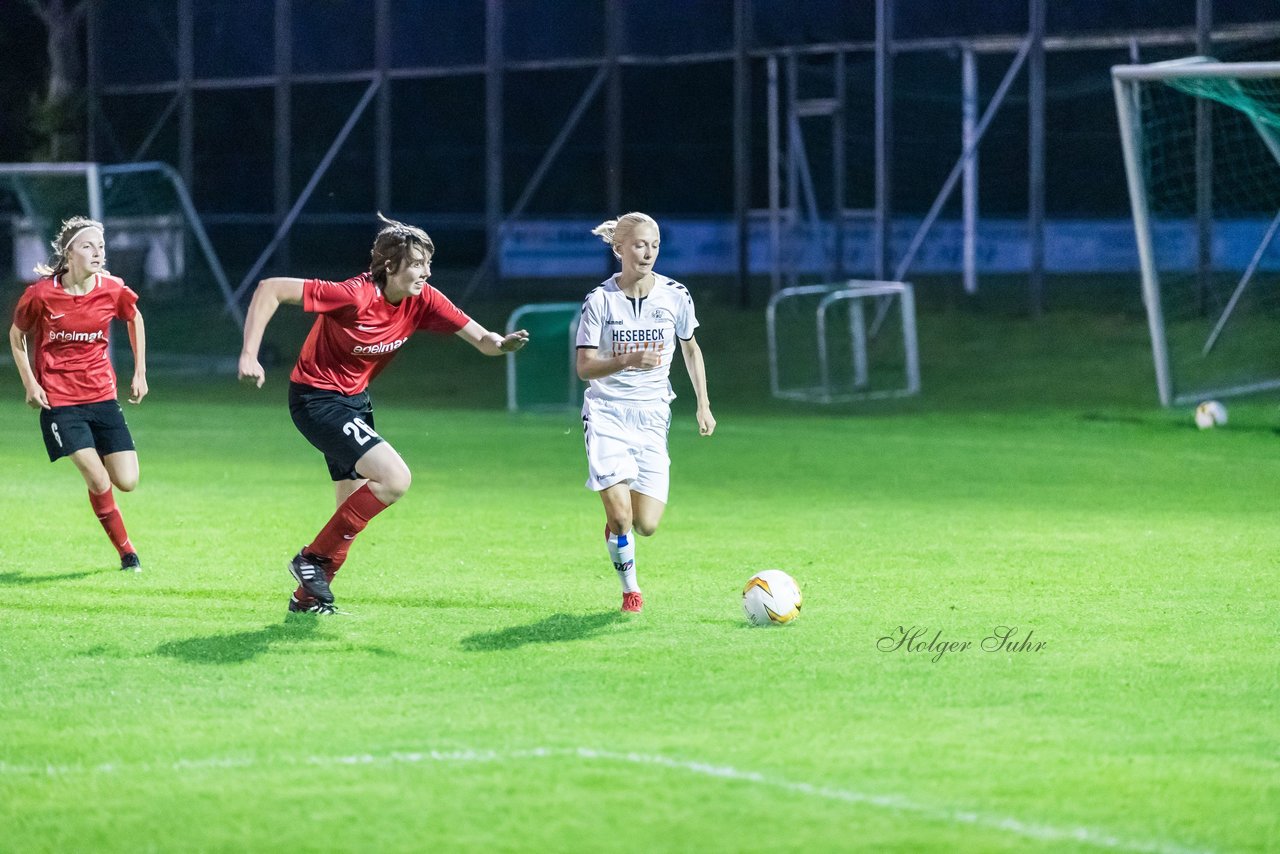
(615, 324)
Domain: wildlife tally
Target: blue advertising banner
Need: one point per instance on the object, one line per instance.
(703, 246)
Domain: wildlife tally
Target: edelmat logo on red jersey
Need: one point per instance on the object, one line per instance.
(378, 349)
(63, 335)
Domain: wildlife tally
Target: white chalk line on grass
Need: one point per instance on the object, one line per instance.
(1017, 827)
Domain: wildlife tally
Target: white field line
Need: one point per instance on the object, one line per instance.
(896, 803)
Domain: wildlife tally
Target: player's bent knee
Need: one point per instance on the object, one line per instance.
(394, 487)
(125, 483)
(646, 529)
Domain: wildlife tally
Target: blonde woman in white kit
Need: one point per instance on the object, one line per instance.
(627, 339)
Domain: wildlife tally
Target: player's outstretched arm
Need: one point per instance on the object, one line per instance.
(266, 299)
(491, 343)
(36, 398)
(698, 376)
(138, 340)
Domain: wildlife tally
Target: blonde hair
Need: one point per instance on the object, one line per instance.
(614, 231)
(70, 228)
(391, 247)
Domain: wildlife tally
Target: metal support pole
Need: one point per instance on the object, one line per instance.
(775, 178)
(969, 181)
(382, 117)
(1035, 156)
(794, 152)
(186, 73)
(742, 144)
(93, 185)
(613, 121)
(283, 154)
(858, 337)
(1204, 165)
(493, 138)
(91, 73)
(884, 136)
(838, 159)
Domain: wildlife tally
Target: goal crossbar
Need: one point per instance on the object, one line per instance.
(1195, 66)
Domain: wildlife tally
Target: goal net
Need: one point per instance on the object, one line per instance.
(155, 243)
(1201, 143)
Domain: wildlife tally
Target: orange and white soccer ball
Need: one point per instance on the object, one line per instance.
(771, 598)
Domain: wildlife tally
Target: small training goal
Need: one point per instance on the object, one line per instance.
(846, 341)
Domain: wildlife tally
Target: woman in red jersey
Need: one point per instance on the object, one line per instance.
(59, 339)
(360, 325)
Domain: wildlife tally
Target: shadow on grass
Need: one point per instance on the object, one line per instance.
(554, 629)
(241, 646)
(21, 579)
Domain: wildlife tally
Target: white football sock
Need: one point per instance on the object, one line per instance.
(622, 551)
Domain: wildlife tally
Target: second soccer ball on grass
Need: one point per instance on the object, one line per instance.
(1210, 414)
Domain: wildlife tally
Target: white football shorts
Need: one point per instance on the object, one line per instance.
(628, 443)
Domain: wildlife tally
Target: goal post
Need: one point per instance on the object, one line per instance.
(544, 375)
(1201, 146)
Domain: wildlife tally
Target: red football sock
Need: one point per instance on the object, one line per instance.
(104, 507)
(334, 539)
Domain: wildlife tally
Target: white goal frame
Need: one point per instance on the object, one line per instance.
(853, 292)
(96, 173)
(1124, 79)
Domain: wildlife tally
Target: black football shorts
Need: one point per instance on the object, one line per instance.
(340, 426)
(101, 426)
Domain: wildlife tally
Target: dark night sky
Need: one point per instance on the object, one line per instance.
(684, 109)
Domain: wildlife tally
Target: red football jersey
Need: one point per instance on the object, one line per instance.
(358, 331)
(68, 337)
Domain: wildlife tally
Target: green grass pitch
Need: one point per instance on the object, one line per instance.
(485, 694)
